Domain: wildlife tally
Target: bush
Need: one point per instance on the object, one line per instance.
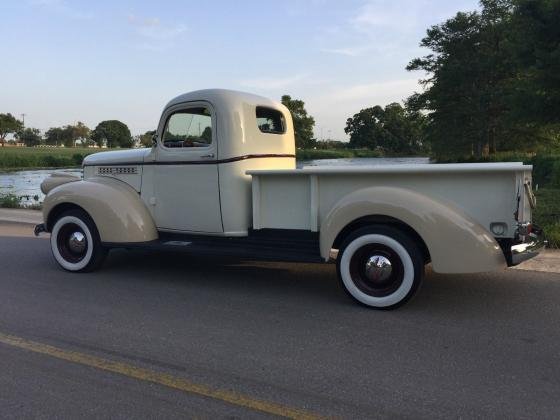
(546, 170)
(547, 214)
(78, 158)
(311, 154)
(11, 201)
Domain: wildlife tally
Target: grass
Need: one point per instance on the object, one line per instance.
(10, 201)
(547, 214)
(12, 158)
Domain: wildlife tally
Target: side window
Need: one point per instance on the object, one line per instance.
(270, 120)
(189, 128)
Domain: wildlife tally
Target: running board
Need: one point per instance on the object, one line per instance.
(265, 244)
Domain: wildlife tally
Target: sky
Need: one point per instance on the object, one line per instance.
(66, 61)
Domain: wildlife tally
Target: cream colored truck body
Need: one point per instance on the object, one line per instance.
(244, 180)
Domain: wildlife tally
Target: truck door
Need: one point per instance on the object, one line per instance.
(186, 188)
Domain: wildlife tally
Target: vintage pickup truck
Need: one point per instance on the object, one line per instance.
(221, 179)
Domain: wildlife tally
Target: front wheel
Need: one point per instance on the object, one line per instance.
(75, 242)
(380, 267)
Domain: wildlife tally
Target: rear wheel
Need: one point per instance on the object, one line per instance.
(380, 267)
(75, 242)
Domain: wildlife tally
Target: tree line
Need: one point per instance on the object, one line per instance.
(110, 133)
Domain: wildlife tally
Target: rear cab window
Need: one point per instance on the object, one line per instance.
(270, 121)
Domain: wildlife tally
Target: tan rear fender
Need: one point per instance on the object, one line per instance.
(456, 242)
(117, 210)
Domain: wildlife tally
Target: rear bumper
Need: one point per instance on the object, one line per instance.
(532, 244)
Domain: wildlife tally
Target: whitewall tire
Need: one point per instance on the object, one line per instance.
(75, 242)
(380, 267)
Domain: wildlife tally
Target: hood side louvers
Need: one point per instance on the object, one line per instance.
(117, 170)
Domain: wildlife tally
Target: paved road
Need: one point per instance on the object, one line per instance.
(172, 336)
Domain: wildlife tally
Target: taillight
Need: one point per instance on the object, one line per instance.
(524, 229)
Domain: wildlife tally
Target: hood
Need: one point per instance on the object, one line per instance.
(117, 157)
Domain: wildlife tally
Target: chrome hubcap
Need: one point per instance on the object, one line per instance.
(378, 268)
(77, 242)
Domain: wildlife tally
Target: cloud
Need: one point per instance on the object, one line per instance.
(376, 26)
(135, 20)
(44, 2)
(62, 8)
(378, 93)
(270, 83)
(400, 16)
(349, 51)
(153, 35)
(299, 8)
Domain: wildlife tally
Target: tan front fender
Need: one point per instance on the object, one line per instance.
(117, 210)
(456, 242)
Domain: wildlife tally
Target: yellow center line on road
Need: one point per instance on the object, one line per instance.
(160, 378)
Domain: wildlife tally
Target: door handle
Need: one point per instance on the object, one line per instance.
(208, 156)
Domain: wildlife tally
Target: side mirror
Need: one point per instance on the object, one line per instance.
(154, 140)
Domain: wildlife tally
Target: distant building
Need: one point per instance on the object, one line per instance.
(14, 143)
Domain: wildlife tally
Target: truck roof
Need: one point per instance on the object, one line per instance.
(224, 97)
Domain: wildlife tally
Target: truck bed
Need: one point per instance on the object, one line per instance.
(301, 198)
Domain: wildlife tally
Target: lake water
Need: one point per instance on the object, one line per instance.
(26, 184)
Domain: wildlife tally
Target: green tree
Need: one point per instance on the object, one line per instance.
(207, 135)
(30, 136)
(393, 129)
(536, 47)
(303, 122)
(113, 133)
(67, 135)
(8, 125)
(54, 136)
(146, 138)
(81, 132)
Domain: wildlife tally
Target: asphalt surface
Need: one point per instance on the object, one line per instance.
(484, 345)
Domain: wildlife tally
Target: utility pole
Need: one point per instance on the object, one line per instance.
(23, 119)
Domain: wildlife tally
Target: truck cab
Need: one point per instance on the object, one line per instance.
(204, 144)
